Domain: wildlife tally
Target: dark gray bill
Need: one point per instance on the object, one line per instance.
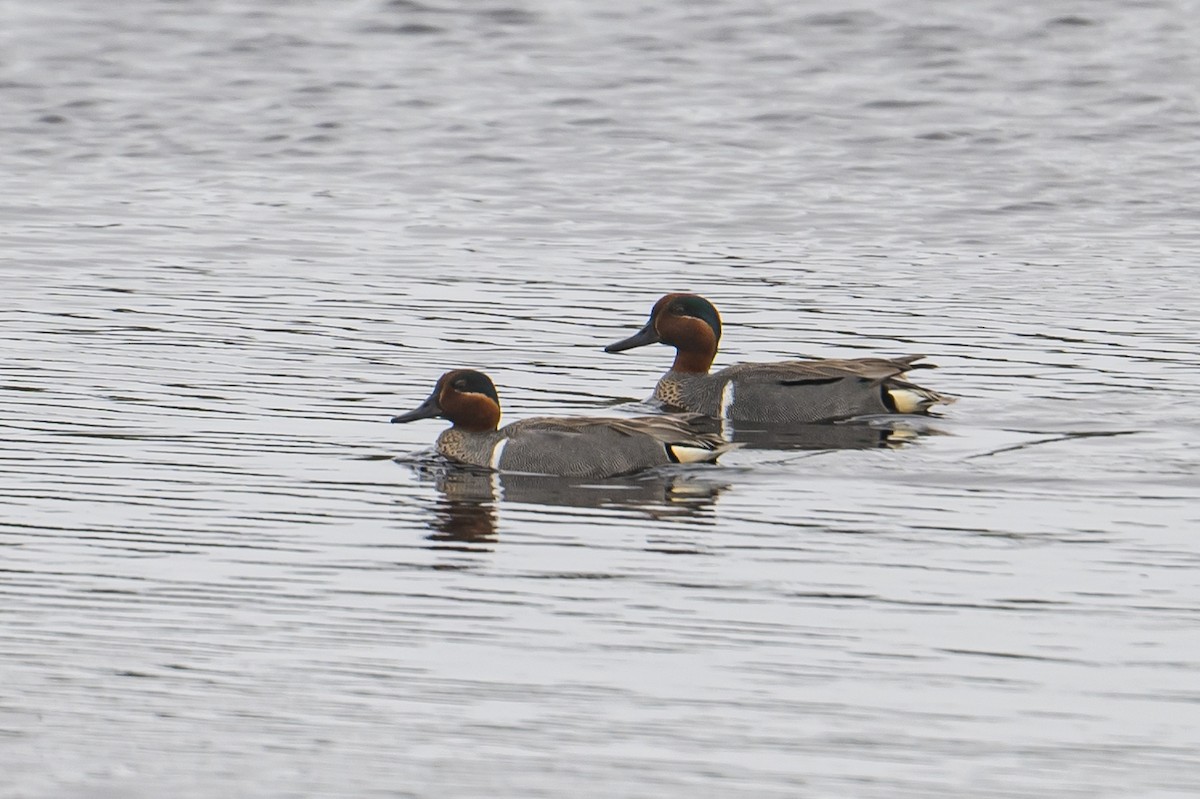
(647, 335)
(426, 410)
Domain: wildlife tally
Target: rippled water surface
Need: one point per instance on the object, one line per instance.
(239, 236)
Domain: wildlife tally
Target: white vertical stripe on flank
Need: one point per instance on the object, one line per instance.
(497, 451)
(726, 399)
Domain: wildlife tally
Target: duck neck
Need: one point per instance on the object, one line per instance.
(693, 361)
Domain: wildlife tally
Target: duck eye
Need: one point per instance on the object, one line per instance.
(460, 384)
(678, 309)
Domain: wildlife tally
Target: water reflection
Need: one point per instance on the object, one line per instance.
(465, 510)
(469, 501)
(865, 433)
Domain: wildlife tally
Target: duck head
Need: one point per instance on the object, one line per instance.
(466, 397)
(687, 322)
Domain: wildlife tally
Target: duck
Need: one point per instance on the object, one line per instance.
(780, 393)
(580, 446)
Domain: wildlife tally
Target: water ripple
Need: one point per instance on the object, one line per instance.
(241, 238)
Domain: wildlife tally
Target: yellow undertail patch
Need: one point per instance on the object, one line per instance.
(909, 400)
(686, 454)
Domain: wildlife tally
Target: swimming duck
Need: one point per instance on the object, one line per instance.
(783, 392)
(579, 446)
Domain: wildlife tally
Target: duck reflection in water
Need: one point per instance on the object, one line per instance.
(469, 501)
(465, 510)
(863, 433)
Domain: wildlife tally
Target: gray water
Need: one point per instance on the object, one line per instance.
(239, 236)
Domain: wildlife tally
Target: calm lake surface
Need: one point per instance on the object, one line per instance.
(239, 236)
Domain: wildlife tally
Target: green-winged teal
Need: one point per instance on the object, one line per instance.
(783, 392)
(566, 446)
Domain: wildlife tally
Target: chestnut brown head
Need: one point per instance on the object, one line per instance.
(687, 322)
(464, 396)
